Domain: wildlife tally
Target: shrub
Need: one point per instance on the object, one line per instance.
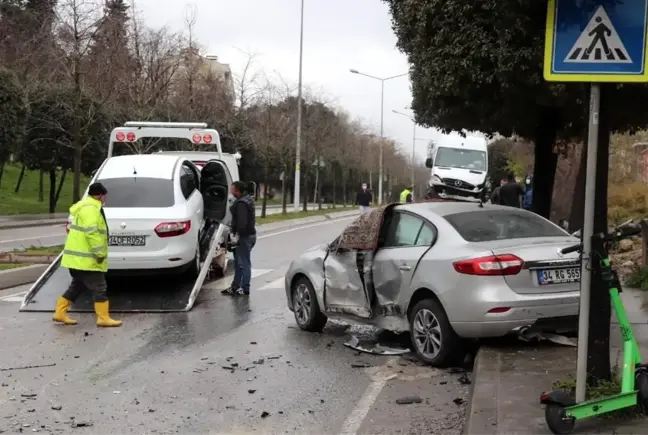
(627, 201)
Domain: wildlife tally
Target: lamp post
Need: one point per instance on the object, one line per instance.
(299, 113)
(382, 117)
(413, 142)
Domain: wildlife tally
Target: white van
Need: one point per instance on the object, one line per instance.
(458, 171)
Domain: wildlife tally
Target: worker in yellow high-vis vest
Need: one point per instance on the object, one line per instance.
(406, 195)
(85, 255)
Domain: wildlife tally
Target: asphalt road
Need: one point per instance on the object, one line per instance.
(51, 235)
(216, 369)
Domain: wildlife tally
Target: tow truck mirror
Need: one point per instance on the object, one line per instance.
(429, 163)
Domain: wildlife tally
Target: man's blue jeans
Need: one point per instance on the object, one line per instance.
(243, 262)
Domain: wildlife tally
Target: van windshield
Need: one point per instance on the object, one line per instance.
(461, 158)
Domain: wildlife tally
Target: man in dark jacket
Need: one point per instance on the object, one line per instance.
(243, 237)
(363, 199)
(511, 193)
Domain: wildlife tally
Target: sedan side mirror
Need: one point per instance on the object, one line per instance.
(429, 163)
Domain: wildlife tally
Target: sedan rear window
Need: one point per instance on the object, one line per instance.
(488, 225)
(139, 192)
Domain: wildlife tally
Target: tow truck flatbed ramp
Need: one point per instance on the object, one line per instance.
(126, 294)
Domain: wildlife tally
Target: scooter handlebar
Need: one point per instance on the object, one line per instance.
(570, 249)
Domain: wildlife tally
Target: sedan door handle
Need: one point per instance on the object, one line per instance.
(405, 268)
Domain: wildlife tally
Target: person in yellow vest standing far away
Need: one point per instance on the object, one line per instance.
(85, 255)
(406, 195)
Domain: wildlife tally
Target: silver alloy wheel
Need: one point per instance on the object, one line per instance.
(302, 302)
(427, 333)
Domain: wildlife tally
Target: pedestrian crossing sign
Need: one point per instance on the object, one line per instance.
(596, 41)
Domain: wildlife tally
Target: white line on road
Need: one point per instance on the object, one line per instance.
(276, 284)
(16, 297)
(34, 238)
(378, 381)
(278, 233)
(259, 272)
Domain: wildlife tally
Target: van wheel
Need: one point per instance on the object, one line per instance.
(433, 339)
(308, 315)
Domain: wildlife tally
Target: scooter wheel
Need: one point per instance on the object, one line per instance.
(641, 385)
(555, 418)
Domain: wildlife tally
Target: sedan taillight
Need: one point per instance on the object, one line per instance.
(504, 264)
(172, 229)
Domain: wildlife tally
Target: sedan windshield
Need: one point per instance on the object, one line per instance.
(461, 158)
(138, 192)
(489, 225)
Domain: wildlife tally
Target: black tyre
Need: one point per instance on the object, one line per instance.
(308, 315)
(194, 268)
(433, 339)
(556, 421)
(641, 385)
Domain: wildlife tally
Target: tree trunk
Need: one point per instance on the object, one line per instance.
(60, 187)
(20, 179)
(78, 154)
(544, 168)
(264, 203)
(316, 187)
(2, 166)
(333, 170)
(598, 351)
(344, 187)
(576, 215)
(41, 194)
(52, 190)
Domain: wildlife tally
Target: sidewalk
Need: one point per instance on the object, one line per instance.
(508, 381)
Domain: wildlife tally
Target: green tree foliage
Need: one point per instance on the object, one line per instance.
(13, 116)
(478, 66)
(498, 155)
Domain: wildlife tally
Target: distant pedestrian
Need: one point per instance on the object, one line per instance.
(363, 199)
(495, 196)
(243, 237)
(528, 194)
(85, 255)
(406, 195)
(511, 193)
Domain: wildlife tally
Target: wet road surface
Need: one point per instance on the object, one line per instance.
(216, 369)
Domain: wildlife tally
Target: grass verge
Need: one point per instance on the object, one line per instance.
(12, 266)
(599, 391)
(297, 215)
(26, 201)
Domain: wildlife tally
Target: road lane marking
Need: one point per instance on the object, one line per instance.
(379, 378)
(259, 272)
(319, 224)
(16, 297)
(276, 284)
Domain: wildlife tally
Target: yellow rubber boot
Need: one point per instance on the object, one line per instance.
(103, 318)
(60, 313)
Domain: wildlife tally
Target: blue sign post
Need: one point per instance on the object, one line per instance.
(596, 41)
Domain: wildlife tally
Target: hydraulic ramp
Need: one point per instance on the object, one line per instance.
(130, 294)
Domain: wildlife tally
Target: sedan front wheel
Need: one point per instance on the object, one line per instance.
(308, 315)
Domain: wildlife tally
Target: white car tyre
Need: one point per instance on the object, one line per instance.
(308, 315)
(433, 339)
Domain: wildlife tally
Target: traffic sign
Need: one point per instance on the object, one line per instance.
(596, 41)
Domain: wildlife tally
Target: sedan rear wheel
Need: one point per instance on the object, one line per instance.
(308, 315)
(432, 336)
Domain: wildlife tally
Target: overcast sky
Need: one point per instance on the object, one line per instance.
(338, 35)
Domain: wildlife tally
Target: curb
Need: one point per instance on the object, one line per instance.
(32, 224)
(20, 276)
(481, 414)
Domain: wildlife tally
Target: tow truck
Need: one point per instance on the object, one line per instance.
(135, 294)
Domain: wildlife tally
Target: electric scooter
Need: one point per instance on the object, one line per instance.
(561, 410)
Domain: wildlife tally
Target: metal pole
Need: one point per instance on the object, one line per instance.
(299, 114)
(587, 233)
(382, 139)
(413, 153)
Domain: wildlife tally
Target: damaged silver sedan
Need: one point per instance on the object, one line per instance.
(443, 271)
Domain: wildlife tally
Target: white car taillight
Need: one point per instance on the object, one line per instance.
(504, 264)
(172, 229)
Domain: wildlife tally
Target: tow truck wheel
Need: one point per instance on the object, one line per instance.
(308, 315)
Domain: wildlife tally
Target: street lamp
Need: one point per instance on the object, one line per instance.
(382, 116)
(413, 141)
(299, 113)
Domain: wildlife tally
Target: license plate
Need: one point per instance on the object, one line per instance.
(127, 240)
(558, 276)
